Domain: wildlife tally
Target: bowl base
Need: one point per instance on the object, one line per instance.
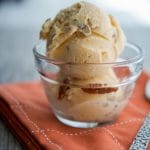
(76, 124)
(80, 124)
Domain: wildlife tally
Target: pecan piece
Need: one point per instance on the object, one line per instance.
(97, 88)
(63, 89)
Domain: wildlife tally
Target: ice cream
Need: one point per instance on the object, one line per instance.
(84, 36)
(83, 33)
(89, 104)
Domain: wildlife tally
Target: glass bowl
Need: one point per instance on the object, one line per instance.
(88, 95)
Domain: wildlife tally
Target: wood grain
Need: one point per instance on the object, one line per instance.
(7, 140)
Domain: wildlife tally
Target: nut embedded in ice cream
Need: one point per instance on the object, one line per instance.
(83, 33)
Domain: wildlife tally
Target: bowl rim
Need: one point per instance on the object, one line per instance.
(137, 58)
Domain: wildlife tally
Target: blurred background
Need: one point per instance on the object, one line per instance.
(21, 20)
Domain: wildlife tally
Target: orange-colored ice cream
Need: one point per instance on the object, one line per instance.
(82, 35)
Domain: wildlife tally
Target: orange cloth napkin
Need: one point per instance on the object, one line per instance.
(25, 109)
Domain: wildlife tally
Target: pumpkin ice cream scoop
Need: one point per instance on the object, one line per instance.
(83, 33)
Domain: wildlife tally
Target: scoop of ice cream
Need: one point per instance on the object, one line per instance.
(83, 33)
(81, 50)
(88, 100)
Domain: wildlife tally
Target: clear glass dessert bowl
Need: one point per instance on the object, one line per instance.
(87, 95)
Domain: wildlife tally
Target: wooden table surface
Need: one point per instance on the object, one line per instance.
(17, 63)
